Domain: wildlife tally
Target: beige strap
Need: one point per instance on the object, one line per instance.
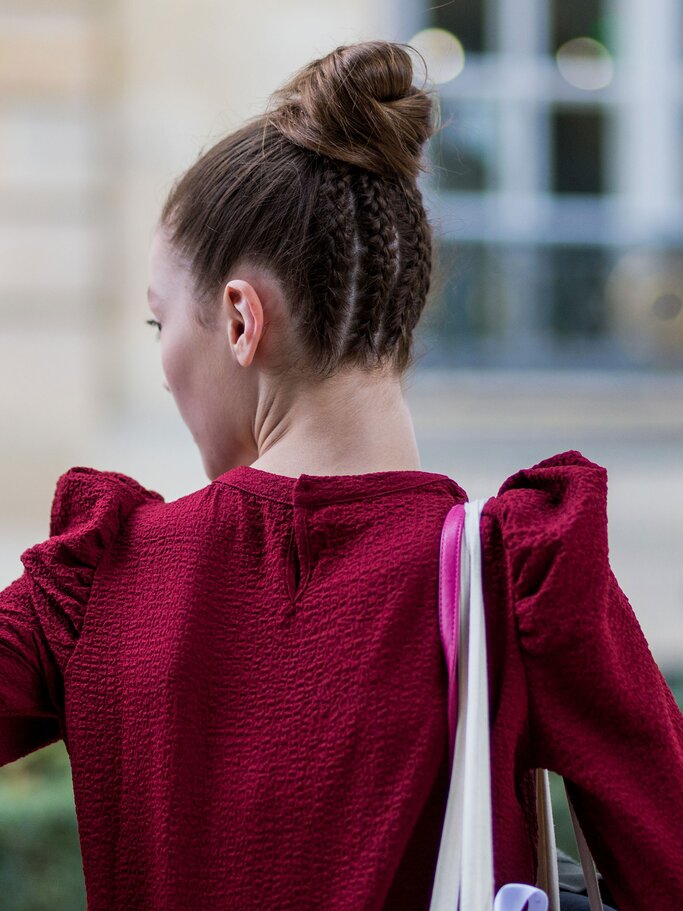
(547, 848)
(592, 887)
(547, 878)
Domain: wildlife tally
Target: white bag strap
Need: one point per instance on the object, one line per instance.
(477, 857)
(464, 870)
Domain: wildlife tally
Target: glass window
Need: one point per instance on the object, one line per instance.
(465, 19)
(578, 151)
(467, 292)
(464, 152)
(574, 281)
(581, 19)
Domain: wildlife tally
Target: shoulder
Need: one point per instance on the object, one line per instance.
(566, 479)
(86, 493)
(89, 506)
(564, 494)
(553, 525)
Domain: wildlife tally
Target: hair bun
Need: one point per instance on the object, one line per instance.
(358, 104)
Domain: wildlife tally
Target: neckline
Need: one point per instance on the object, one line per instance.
(313, 489)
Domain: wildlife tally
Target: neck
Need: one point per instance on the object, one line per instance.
(353, 423)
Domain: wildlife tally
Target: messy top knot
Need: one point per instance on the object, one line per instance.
(358, 104)
(321, 191)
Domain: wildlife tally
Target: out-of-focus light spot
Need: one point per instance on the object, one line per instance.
(667, 306)
(443, 54)
(585, 63)
(644, 297)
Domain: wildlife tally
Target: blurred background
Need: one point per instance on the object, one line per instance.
(556, 312)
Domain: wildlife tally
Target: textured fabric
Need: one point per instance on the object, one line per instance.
(250, 684)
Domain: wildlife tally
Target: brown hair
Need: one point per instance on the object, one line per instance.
(322, 191)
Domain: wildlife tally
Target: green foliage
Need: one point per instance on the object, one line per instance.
(675, 682)
(40, 859)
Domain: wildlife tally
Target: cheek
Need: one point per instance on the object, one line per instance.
(177, 362)
(189, 365)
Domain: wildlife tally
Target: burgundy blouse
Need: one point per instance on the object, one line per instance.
(250, 685)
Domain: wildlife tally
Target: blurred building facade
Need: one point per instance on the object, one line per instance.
(104, 105)
(557, 184)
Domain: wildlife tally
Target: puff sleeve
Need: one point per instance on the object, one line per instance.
(42, 612)
(601, 713)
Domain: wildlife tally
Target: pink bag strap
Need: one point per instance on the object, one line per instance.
(449, 615)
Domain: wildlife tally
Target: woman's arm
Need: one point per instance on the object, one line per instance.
(30, 681)
(42, 612)
(600, 711)
(603, 716)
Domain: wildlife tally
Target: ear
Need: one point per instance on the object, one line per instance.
(244, 319)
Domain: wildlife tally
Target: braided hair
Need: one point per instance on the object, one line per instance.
(322, 191)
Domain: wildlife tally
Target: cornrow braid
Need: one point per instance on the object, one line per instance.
(416, 264)
(321, 191)
(377, 267)
(333, 238)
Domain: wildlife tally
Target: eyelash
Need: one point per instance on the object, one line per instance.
(153, 322)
